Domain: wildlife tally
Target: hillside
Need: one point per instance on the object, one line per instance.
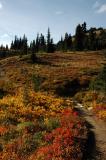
(37, 115)
(54, 68)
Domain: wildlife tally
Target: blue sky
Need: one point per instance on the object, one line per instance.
(31, 16)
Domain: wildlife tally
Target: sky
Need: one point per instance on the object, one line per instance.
(18, 17)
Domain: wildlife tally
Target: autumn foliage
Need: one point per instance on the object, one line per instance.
(44, 128)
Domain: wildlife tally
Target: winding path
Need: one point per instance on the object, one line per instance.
(96, 143)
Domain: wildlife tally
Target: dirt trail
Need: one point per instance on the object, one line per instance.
(96, 143)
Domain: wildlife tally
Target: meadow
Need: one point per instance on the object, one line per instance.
(37, 116)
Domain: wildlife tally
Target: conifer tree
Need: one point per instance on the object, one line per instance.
(92, 39)
(25, 45)
(33, 47)
(42, 43)
(12, 45)
(37, 43)
(79, 38)
(66, 42)
(50, 45)
(84, 27)
(33, 51)
(60, 45)
(69, 42)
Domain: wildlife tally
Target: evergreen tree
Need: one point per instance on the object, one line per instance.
(79, 38)
(66, 42)
(24, 45)
(48, 41)
(92, 39)
(33, 48)
(37, 43)
(85, 36)
(84, 27)
(60, 45)
(12, 45)
(6, 47)
(33, 51)
(20, 44)
(69, 42)
(42, 43)
(15, 42)
(102, 39)
(50, 45)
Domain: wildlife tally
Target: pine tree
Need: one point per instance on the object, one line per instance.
(15, 42)
(33, 47)
(50, 45)
(66, 42)
(79, 38)
(25, 45)
(60, 45)
(48, 41)
(37, 43)
(12, 45)
(6, 47)
(69, 42)
(84, 27)
(92, 39)
(42, 43)
(20, 44)
(33, 51)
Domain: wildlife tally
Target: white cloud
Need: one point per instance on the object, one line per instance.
(102, 9)
(5, 36)
(5, 39)
(96, 4)
(1, 6)
(59, 12)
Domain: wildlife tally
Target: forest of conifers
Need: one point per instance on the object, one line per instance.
(84, 39)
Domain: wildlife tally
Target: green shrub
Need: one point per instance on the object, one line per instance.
(37, 81)
(10, 135)
(99, 83)
(52, 123)
(29, 125)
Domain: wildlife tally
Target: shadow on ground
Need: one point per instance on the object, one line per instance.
(91, 152)
(90, 148)
(2, 93)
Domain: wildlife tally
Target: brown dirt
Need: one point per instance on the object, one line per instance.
(96, 143)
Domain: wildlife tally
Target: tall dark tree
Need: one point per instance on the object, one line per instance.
(92, 39)
(25, 44)
(16, 43)
(60, 45)
(12, 45)
(79, 38)
(48, 41)
(7, 47)
(69, 42)
(50, 45)
(66, 42)
(33, 47)
(33, 51)
(20, 44)
(102, 39)
(85, 36)
(84, 27)
(42, 43)
(37, 43)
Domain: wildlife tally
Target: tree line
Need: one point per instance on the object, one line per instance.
(40, 44)
(84, 39)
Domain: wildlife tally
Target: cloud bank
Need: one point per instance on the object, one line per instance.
(102, 9)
